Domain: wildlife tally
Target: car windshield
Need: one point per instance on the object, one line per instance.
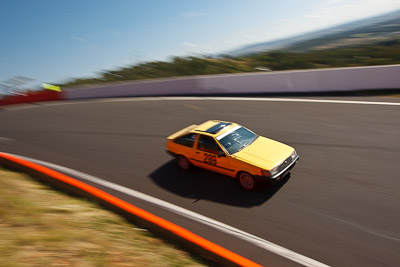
(237, 139)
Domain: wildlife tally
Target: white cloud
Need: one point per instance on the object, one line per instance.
(190, 44)
(313, 15)
(283, 20)
(334, 13)
(337, 11)
(331, 2)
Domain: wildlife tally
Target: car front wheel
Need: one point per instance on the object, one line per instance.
(183, 163)
(247, 181)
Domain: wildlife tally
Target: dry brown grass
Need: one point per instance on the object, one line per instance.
(43, 227)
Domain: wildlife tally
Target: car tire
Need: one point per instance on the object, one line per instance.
(247, 181)
(183, 163)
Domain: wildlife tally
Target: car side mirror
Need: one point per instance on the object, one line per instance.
(221, 154)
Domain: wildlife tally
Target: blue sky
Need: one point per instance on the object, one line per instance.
(53, 40)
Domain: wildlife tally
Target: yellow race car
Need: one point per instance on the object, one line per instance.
(231, 149)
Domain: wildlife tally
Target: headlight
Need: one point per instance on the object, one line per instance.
(280, 167)
(294, 155)
(270, 173)
(274, 171)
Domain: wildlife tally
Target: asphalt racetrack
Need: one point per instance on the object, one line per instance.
(340, 207)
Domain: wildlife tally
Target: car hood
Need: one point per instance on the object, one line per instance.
(264, 153)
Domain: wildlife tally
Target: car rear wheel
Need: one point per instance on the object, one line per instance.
(183, 163)
(247, 181)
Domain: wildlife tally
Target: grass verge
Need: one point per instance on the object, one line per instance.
(43, 227)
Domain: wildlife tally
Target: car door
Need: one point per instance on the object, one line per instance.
(209, 155)
(185, 146)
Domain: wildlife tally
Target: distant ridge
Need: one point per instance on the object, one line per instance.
(374, 29)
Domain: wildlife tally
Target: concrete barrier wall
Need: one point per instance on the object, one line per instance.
(343, 79)
(144, 88)
(322, 80)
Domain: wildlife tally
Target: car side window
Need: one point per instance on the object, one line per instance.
(186, 140)
(208, 144)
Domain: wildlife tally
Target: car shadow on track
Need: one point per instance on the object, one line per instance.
(199, 184)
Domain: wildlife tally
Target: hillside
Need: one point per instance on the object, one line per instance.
(382, 53)
(367, 31)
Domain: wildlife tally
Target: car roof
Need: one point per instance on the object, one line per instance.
(214, 127)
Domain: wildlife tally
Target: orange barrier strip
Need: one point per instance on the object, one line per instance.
(189, 236)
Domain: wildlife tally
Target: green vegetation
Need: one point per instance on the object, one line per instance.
(42, 227)
(179, 66)
(383, 53)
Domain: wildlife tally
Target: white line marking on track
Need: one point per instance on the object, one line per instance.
(183, 98)
(316, 101)
(257, 241)
(301, 100)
